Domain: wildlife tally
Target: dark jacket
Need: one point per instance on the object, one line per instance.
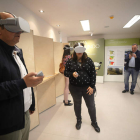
(11, 91)
(87, 73)
(137, 61)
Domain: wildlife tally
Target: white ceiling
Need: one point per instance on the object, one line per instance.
(68, 13)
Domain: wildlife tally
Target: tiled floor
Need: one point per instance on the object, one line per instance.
(118, 116)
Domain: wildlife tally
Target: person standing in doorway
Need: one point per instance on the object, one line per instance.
(132, 68)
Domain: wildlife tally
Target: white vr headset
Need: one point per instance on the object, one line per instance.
(68, 48)
(16, 24)
(79, 49)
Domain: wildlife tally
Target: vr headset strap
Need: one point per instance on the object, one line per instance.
(7, 22)
(11, 14)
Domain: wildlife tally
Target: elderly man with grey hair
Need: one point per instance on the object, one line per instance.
(132, 68)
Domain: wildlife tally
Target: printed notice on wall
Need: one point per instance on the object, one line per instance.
(111, 57)
(115, 62)
(115, 70)
(120, 58)
(116, 57)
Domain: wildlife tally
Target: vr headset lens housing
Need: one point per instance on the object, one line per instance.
(15, 25)
(68, 48)
(79, 49)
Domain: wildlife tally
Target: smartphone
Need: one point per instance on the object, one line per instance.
(131, 52)
(39, 74)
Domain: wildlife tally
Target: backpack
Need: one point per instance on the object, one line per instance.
(61, 68)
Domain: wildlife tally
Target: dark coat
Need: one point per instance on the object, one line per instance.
(11, 91)
(137, 61)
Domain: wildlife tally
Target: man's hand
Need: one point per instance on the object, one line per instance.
(130, 56)
(90, 90)
(31, 80)
(31, 112)
(75, 74)
(134, 55)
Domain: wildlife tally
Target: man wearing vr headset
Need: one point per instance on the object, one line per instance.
(16, 94)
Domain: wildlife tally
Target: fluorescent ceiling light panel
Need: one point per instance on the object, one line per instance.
(132, 21)
(85, 25)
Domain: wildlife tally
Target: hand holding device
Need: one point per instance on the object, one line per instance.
(39, 74)
(75, 74)
(130, 56)
(31, 80)
(134, 55)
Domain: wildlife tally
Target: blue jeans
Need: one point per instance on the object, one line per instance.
(134, 75)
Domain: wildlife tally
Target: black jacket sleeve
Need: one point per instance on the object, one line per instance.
(67, 71)
(10, 89)
(92, 73)
(138, 56)
(127, 58)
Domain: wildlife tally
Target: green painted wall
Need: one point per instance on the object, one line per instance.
(96, 48)
(96, 51)
(122, 42)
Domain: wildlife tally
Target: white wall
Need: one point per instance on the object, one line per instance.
(119, 36)
(39, 26)
(64, 39)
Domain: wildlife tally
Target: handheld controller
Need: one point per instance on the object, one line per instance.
(77, 74)
(39, 74)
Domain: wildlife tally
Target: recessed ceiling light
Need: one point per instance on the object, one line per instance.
(58, 25)
(41, 11)
(85, 25)
(132, 21)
